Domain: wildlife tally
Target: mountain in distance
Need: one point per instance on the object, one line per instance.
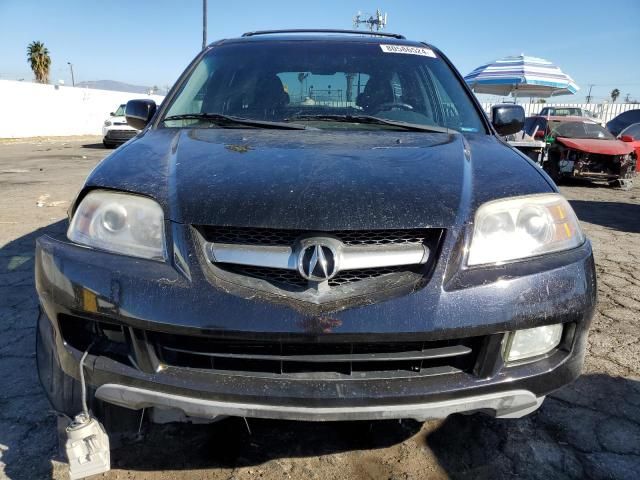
(118, 86)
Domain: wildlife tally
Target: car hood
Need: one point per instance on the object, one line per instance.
(588, 145)
(317, 180)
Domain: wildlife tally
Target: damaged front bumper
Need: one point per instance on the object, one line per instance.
(156, 322)
(596, 167)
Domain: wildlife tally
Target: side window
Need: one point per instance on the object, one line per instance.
(396, 88)
(190, 98)
(634, 131)
(443, 105)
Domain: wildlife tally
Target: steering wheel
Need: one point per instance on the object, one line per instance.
(391, 105)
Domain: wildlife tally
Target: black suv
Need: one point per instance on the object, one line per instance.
(316, 226)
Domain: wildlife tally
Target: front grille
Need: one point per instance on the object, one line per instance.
(291, 278)
(293, 358)
(121, 134)
(269, 236)
(262, 270)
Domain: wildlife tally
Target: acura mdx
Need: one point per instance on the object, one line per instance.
(315, 226)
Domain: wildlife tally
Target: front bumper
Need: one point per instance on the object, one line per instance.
(176, 298)
(509, 404)
(118, 134)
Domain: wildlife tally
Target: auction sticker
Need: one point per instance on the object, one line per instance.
(425, 52)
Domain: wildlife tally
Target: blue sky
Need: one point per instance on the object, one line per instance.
(147, 43)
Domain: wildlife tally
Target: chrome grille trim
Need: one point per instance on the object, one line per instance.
(350, 257)
(285, 265)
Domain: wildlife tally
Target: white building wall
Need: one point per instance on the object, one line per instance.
(35, 110)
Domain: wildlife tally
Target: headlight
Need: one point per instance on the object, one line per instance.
(107, 123)
(522, 227)
(120, 223)
(531, 342)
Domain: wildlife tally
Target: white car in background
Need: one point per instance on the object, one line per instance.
(115, 130)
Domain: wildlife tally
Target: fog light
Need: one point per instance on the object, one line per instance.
(532, 342)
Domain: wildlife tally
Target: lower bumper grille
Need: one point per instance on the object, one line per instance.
(295, 358)
(360, 360)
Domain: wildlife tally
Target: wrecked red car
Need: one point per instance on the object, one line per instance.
(583, 149)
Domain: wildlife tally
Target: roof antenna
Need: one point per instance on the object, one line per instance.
(377, 21)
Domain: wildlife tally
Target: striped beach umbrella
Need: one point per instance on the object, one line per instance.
(521, 76)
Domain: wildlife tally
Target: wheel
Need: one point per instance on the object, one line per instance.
(552, 169)
(62, 390)
(65, 394)
(622, 184)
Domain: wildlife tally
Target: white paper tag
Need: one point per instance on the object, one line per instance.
(409, 50)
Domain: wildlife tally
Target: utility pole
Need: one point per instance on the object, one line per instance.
(73, 80)
(204, 24)
(589, 95)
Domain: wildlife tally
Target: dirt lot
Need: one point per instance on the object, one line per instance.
(588, 430)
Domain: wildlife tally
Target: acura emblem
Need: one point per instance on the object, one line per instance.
(317, 260)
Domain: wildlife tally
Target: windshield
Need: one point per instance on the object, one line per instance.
(120, 111)
(582, 130)
(283, 81)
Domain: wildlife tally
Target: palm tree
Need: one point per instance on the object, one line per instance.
(40, 61)
(615, 93)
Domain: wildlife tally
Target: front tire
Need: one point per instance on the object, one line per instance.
(553, 170)
(65, 394)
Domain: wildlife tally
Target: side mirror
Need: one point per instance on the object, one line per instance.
(112, 114)
(139, 112)
(627, 138)
(507, 119)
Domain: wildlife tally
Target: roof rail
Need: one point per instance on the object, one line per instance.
(324, 30)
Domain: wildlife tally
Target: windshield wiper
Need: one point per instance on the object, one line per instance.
(372, 120)
(230, 120)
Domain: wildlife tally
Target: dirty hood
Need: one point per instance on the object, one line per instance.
(588, 145)
(316, 179)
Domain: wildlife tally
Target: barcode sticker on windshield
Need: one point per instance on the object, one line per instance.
(425, 52)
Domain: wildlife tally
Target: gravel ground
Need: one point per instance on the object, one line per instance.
(590, 429)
